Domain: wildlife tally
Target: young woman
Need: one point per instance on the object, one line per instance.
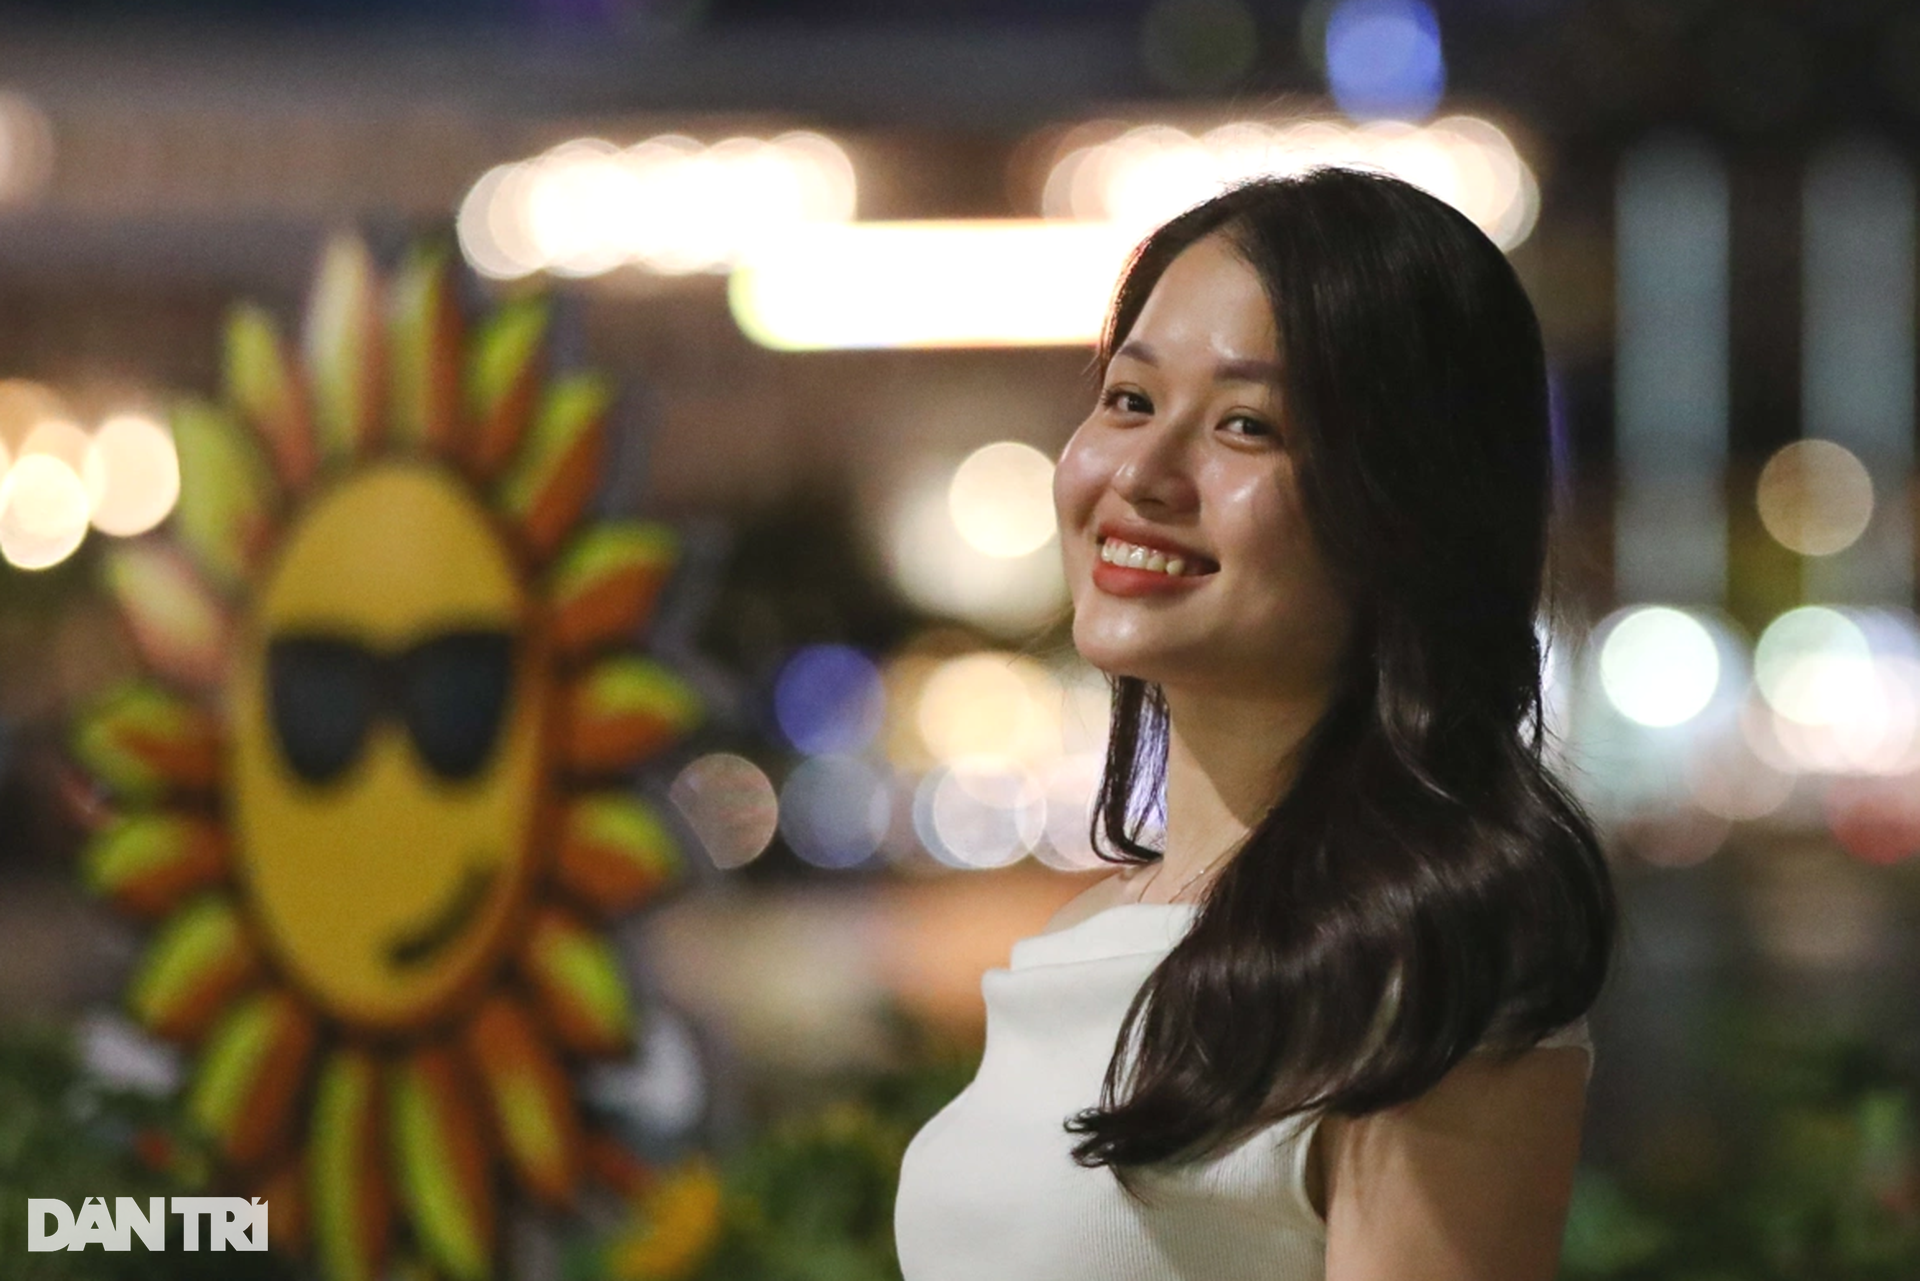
(1335, 1028)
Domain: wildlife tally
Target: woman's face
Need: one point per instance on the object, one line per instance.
(1187, 453)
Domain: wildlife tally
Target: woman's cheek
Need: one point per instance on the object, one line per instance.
(1076, 484)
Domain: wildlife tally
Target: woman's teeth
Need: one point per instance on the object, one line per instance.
(1115, 552)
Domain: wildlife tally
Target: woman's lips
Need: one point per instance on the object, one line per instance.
(1124, 580)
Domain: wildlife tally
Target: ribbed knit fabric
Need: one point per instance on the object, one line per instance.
(990, 1192)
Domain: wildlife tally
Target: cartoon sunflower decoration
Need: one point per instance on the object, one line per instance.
(373, 790)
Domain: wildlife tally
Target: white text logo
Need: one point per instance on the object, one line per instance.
(232, 1223)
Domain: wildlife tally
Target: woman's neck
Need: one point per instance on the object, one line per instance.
(1229, 759)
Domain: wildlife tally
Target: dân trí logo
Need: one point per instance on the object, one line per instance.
(233, 1223)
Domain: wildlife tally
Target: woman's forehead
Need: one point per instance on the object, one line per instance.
(1209, 305)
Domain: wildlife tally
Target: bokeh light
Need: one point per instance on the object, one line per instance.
(835, 810)
(1141, 176)
(670, 204)
(990, 704)
(132, 474)
(980, 813)
(1815, 497)
(1072, 786)
(944, 574)
(1811, 663)
(1659, 666)
(987, 283)
(730, 804)
(1842, 690)
(60, 438)
(1001, 499)
(1383, 58)
(1728, 779)
(1876, 820)
(24, 405)
(829, 698)
(43, 512)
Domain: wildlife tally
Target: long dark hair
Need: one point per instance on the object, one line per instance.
(1426, 884)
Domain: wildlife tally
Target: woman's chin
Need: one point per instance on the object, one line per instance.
(1129, 659)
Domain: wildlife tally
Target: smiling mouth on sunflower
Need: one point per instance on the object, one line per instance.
(420, 943)
(389, 1091)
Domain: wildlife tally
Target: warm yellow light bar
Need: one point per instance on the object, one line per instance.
(1147, 174)
(990, 283)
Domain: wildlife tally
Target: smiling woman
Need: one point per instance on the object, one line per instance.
(1343, 1037)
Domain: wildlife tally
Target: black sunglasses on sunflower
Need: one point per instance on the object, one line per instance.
(450, 691)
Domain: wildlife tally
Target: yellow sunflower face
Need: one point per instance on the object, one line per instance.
(374, 792)
(387, 746)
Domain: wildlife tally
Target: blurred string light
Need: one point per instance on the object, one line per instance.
(987, 283)
(132, 475)
(1142, 176)
(1877, 820)
(1659, 665)
(980, 813)
(991, 704)
(670, 204)
(835, 810)
(1001, 753)
(829, 698)
(43, 512)
(1383, 58)
(1001, 499)
(1841, 690)
(730, 804)
(1018, 282)
(952, 543)
(1728, 779)
(1655, 729)
(1815, 497)
(1072, 788)
(57, 478)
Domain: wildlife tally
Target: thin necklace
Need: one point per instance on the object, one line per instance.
(1184, 884)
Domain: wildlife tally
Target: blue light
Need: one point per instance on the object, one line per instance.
(1384, 60)
(828, 698)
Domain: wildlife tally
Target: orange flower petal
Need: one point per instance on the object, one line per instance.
(425, 329)
(603, 587)
(615, 853)
(249, 1074)
(146, 741)
(623, 710)
(530, 1097)
(578, 980)
(147, 863)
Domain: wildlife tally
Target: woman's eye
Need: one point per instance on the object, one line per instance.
(1125, 401)
(1252, 427)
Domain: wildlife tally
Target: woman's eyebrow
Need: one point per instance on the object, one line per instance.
(1247, 371)
(1244, 370)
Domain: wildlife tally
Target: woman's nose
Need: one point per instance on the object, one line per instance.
(1155, 471)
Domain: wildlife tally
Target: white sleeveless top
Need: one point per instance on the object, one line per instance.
(990, 1192)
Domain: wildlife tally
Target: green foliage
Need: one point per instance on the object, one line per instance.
(1806, 1170)
(64, 1135)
